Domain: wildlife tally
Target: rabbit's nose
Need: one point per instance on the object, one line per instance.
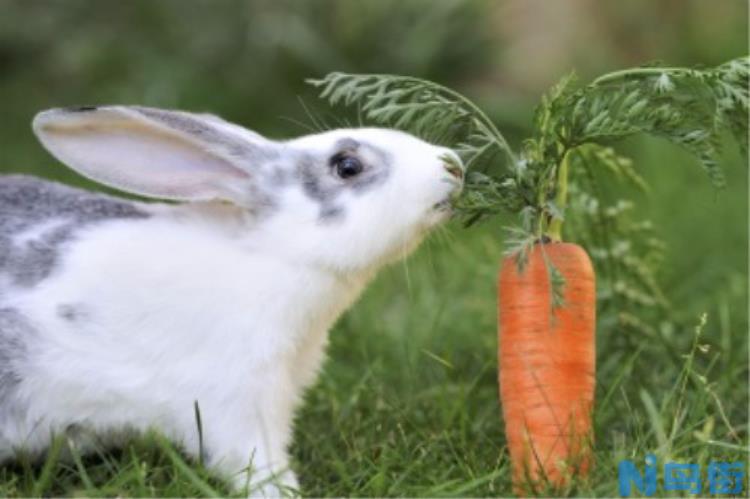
(455, 169)
(452, 164)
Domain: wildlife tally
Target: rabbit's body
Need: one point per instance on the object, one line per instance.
(118, 315)
(260, 330)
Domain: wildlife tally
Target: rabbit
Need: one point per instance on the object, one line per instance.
(121, 316)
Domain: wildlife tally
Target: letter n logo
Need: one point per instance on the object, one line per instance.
(629, 475)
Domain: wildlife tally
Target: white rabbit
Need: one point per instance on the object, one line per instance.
(118, 315)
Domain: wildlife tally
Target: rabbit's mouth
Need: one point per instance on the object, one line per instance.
(441, 211)
(444, 205)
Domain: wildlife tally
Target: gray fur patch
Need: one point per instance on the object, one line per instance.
(320, 183)
(15, 332)
(27, 202)
(33, 262)
(330, 213)
(317, 182)
(72, 312)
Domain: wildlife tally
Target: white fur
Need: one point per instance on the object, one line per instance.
(212, 303)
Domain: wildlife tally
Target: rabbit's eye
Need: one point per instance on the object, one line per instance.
(346, 166)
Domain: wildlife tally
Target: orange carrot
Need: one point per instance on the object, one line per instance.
(547, 363)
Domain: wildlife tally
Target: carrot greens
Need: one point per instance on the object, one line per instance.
(692, 108)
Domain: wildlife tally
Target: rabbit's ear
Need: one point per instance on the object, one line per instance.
(156, 153)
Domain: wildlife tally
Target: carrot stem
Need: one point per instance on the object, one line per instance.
(561, 199)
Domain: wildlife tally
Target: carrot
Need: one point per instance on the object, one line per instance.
(547, 362)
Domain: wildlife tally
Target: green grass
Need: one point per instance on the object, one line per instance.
(407, 404)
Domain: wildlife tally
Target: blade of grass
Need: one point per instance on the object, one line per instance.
(184, 469)
(82, 473)
(48, 470)
(655, 420)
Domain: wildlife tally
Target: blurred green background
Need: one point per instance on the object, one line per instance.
(407, 404)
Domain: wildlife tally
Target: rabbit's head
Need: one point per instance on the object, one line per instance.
(346, 199)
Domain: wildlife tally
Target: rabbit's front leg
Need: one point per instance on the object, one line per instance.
(252, 462)
(247, 441)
